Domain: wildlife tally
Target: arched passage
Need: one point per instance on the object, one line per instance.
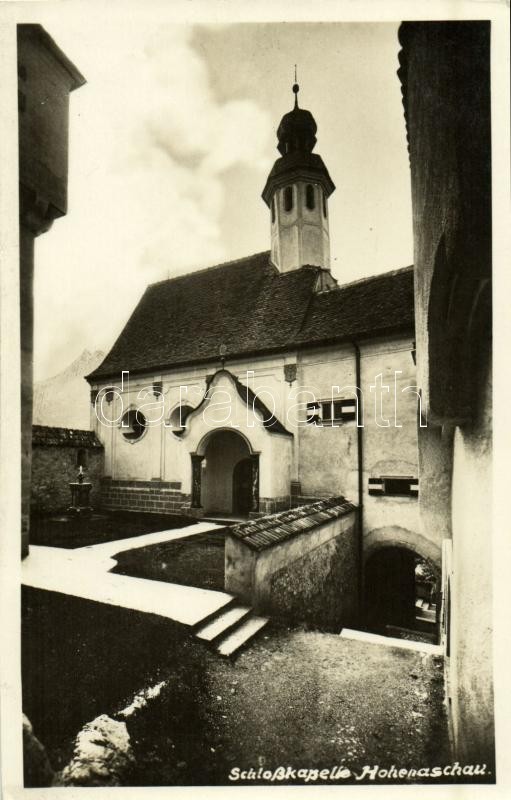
(228, 482)
(401, 593)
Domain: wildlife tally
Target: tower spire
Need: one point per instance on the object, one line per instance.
(296, 89)
(297, 192)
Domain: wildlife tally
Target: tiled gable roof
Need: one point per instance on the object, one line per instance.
(46, 436)
(259, 534)
(368, 306)
(250, 308)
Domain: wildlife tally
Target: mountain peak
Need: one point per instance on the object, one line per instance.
(64, 399)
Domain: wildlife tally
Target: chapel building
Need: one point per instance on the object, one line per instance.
(262, 384)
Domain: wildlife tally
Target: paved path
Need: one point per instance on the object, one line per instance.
(84, 572)
(311, 699)
(296, 699)
(389, 641)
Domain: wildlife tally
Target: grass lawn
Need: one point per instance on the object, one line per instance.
(54, 530)
(81, 659)
(196, 560)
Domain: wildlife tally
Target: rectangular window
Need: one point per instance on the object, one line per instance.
(394, 486)
(328, 412)
(338, 411)
(313, 414)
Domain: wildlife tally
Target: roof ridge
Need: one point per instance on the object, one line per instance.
(379, 275)
(212, 267)
(62, 428)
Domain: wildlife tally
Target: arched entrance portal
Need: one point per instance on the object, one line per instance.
(401, 594)
(225, 475)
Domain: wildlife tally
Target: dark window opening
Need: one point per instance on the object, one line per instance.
(133, 425)
(313, 416)
(324, 204)
(288, 198)
(310, 199)
(328, 412)
(273, 210)
(397, 486)
(178, 419)
(394, 486)
(81, 458)
(339, 411)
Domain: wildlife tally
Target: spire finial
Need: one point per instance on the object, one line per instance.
(296, 89)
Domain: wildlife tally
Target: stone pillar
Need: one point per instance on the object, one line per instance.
(45, 79)
(196, 480)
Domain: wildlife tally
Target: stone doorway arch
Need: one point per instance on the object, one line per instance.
(401, 593)
(225, 474)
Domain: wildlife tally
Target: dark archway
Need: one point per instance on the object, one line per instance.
(226, 474)
(401, 590)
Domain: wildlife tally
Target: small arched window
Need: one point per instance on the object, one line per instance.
(81, 458)
(273, 210)
(324, 204)
(310, 198)
(133, 425)
(288, 198)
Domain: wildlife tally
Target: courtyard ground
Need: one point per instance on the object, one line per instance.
(295, 698)
(72, 531)
(196, 560)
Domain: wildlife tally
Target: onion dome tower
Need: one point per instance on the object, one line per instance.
(297, 192)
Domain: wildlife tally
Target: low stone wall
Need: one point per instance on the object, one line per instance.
(302, 564)
(56, 456)
(160, 497)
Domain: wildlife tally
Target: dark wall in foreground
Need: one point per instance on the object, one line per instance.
(445, 77)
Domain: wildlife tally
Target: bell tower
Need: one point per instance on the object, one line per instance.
(297, 192)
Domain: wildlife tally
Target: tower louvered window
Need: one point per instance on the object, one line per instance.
(288, 198)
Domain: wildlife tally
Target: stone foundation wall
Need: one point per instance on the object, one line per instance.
(311, 575)
(320, 583)
(157, 497)
(53, 468)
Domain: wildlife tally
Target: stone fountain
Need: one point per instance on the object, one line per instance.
(80, 495)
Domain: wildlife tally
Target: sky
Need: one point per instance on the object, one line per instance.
(170, 143)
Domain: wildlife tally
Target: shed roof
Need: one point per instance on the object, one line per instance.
(259, 534)
(46, 436)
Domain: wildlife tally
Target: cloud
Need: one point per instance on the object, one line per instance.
(149, 144)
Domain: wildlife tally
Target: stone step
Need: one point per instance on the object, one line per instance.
(241, 635)
(222, 622)
(427, 616)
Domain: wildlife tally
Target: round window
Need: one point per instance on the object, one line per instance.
(133, 425)
(178, 419)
